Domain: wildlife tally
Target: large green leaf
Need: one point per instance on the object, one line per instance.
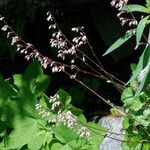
(140, 29)
(119, 42)
(41, 138)
(25, 129)
(33, 78)
(135, 8)
(28, 131)
(64, 134)
(23, 104)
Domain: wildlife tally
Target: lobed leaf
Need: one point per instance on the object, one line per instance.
(64, 134)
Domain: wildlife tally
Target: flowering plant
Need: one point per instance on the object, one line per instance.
(57, 111)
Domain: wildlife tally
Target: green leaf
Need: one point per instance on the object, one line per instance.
(126, 122)
(6, 92)
(140, 29)
(119, 42)
(46, 136)
(66, 147)
(148, 2)
(75, 145)
(144, 60)
(3, 145)
(64, 97)
(24, 131)
(33, 70)
(56, 146)
(33, 78)
(82, 118)
(131, 101)
(135, 8)
(134, 103)
(23, 104)
(28, 131)
(146, 112)
(75, 111)
(35, 143)
(18, 80)
(134, 141)
(40, 85)
(127, 93)
(145, 82)
(64, 134)
(146, 146)
(133, 67)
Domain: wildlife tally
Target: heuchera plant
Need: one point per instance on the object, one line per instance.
(57, 112)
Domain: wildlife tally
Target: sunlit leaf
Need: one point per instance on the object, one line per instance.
(64, 134)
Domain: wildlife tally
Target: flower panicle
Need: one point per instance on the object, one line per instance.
(57, 115)
(59, 40)
(119, 4)
(29, 50)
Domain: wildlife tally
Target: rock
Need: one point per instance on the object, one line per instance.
(113, 124)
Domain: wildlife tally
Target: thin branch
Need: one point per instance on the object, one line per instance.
(99, 66)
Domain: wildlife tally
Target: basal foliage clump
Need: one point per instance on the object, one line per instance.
(25, 124)
(29, 119)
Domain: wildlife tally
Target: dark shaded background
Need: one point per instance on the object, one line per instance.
(28, 19)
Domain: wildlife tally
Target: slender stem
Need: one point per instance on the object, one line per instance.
(106, 101)
(98, 65)
(80, 82)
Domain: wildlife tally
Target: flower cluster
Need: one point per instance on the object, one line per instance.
(81, 39)
(65, 46)
(84, 131)
(29, 50)
(57, 115)
(59, 40)
(124, 21)
(119, 4)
